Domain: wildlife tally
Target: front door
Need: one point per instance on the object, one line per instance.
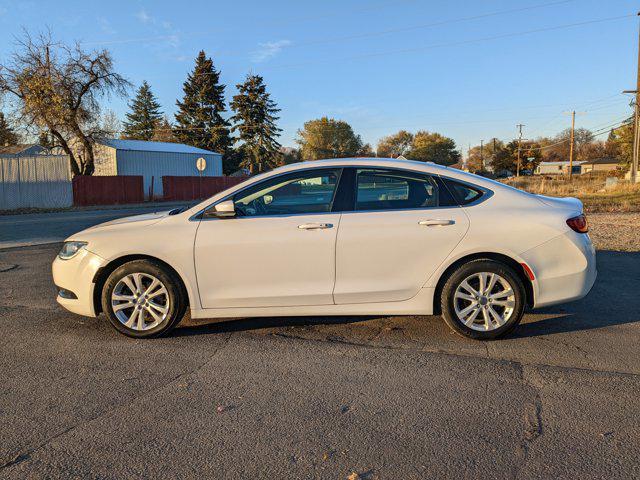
(279, 250)
(402, 228)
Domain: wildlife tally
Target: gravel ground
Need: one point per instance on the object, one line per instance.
(615, 231)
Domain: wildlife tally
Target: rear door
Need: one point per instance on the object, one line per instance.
(402, 226)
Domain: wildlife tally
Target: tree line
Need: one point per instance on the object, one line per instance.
(201, 119)
(57, 92)
(498, 155)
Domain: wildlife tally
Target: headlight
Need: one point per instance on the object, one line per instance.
(70, 249)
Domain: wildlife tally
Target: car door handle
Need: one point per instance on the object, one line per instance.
(436, 222)
(315, 226)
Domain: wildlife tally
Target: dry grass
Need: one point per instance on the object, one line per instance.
(622, 197)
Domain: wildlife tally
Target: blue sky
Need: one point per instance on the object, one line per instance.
(467, 69)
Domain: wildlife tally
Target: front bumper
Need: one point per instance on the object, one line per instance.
(76, 276)
(564, 267)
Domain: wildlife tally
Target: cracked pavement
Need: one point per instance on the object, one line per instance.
(385, 397)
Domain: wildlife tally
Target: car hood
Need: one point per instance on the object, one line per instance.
(568, 203)
(119, 225)
(145, 217)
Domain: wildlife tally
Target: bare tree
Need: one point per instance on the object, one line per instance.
(58, 88)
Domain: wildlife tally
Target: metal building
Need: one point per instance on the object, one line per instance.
(37, 181)
(153, 160)
(23, 150)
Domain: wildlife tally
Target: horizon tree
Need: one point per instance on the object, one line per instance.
(163, 131)
(199, 121)
(57, 88)
(145, 112)
(255, 123)
(8, 136)
(477, 163)
(328, 138)
(507, 157)
(395, 145)
(434, 147)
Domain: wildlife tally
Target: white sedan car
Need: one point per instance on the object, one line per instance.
(363, 236)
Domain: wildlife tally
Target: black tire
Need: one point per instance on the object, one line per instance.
(463, 272)
(176, 297)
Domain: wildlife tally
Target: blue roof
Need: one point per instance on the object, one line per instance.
(144, 146)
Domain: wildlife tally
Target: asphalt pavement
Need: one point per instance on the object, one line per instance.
(380, 397)
(42, 228)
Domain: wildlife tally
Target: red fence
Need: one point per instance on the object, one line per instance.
(101, 190)
(194, 188)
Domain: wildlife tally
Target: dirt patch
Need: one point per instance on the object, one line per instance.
(615, 231)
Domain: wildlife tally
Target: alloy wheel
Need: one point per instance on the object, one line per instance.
(140, 301)
(484, 301)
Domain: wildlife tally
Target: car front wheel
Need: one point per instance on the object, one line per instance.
(483, 299)
(143, 299)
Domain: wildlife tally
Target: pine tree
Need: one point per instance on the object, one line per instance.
(199, 121)
(255, 123)
(163, 131)
(145, 113)
(7, 135)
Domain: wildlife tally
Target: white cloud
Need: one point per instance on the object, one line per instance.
(105, 26)
(268, 50)
(144, 17)
(162, 28)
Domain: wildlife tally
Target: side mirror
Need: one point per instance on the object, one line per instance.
(224, 209)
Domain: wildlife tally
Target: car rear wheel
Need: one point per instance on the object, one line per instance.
(143, 299)
(483, 299)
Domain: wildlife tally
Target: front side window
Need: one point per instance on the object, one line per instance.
(394, 190)
(296, 193)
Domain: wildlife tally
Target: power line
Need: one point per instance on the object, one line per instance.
(325, 40)
(606, 129)
(452, 44)
(435, 46)
(423, 26)
(294, 21)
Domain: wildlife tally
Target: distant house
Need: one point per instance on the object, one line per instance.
(25, 150)
(606, 164)
(556, 168)
(153, 160)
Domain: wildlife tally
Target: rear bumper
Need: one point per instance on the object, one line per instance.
(74, 278)
(565, 269)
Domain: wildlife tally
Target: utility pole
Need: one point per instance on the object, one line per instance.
(481, 157)
(572, 140)
(636, 126)
(636, 136)
(573, 128)
(633, 173)
(493, 155)
(520, 125)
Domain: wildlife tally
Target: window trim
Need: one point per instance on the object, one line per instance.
(350, 181)
(434, 177)
(338, 169)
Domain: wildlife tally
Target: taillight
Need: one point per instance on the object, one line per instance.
(578, 224)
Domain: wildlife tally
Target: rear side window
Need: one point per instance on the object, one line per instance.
(463, 194)
(394, 190)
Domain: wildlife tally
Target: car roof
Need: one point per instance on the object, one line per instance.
(426, 167)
